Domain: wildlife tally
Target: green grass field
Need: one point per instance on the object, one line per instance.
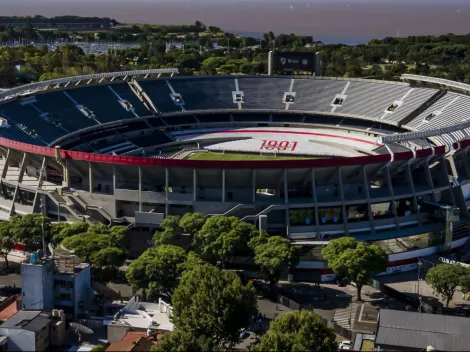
(239, 156)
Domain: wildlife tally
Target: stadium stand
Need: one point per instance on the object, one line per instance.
(58, 104)
(316, 95)
(125, 93)
(205, 93)
(263, 92)
(159, 93)
(30, 117)
(412, 101)
(102, 101)
(216, 118)
(371, 99)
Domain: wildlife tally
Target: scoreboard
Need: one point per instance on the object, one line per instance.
(293, 62)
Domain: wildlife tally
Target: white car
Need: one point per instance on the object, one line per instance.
(345, 345)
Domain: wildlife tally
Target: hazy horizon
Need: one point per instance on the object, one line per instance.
(352, 21)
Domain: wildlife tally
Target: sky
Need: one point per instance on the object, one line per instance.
(347, 21)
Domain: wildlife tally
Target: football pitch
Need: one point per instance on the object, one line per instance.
(240, 156)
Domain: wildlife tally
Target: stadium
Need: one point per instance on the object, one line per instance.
(312, 158)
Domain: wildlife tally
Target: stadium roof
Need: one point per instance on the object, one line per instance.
(411, 330)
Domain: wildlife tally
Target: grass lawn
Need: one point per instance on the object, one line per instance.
(367, 345)
(239, 156)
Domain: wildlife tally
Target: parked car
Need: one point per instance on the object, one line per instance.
(345, 345)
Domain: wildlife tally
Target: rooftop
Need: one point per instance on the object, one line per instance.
(9, 311)
(419, 330)
(137, 344)
(145, 315)
(34, 320)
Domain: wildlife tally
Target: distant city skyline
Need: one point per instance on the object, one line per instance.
(350, 22)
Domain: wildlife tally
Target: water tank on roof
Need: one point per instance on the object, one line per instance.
(33, 258)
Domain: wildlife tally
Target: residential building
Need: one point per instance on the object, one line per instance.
(59, 282)
(411, 331)
(136, 316)
(141, 343)
(34, 330)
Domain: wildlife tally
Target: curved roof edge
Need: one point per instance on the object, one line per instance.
(38, 85)
(195, 164)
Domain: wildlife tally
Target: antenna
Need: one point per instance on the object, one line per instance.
(80, 329)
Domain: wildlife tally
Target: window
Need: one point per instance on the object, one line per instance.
(429, 117)
(65, 297)
(338, 101)
(289, 98)
(392, 107)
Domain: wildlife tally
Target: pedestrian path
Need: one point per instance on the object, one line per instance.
(346, 317)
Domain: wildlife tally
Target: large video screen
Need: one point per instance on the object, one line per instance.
(289, 62)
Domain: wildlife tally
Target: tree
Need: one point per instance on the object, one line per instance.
(444, 279)
(27, 229)
(464, 282)
(298, 331)
(273, 256)
(182, 341)
(214, 303)
(6, 242)
(355, 261)
(108, 257)
(192, 223)
(98, 348)
(220, 236)
(169, 230)
(86, 244)
(157, 270)
(61, 231)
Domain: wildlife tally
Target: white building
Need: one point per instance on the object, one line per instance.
(140, 316)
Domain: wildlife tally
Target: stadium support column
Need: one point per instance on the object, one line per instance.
(365, 186)
(270, 63)
(427, 173)
(341, 196)
(286, 202)
(90, 178)
(392, 194)
(409, 177)
(315, 201)
(66, 169)
(5, 166)
(223, 186)
(20, 179)
(140, 189)
(167, 186)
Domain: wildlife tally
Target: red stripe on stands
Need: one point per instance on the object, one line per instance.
(282, 132)
(225, 164)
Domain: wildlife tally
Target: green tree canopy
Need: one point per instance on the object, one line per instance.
(298, 331)
(27, 229)
(169, 230)
(183, 341)
(63, 230)
(220, 236)
(108, 257)
(214, 303)
(273, 256)
(158, 270)
(355, 261)
(444, 279)
(6, 241)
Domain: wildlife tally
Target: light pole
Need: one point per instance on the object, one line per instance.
(420, 264)
(41, 206)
